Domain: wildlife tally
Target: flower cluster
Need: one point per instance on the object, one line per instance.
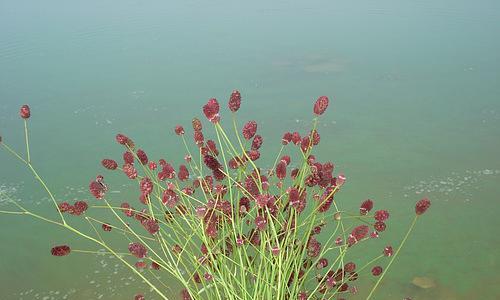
(228, 228)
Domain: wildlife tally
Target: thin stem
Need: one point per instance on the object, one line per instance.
(27, 140)
(393, 257)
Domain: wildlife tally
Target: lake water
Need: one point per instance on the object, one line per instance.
(415, 112)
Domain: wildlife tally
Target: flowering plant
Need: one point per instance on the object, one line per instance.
(225, 228)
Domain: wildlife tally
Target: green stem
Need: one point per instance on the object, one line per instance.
(393, 258)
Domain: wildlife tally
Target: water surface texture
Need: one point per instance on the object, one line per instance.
(415, 89)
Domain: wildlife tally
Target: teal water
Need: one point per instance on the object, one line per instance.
(416, 112)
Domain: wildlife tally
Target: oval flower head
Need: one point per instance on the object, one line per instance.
(138, 250)
(211, 110)
(234, 101)
(60, 250)
(249, 130)
(422, 206)
(321, 105)
(25, 112)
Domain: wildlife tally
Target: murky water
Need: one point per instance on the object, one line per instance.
(416, 113)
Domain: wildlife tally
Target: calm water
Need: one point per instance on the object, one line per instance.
(416, 112)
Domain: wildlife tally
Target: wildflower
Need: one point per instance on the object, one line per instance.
(374, 234)
(208, 277)
(296, 139)
(257, 142)
(377, 270)
(183, 173)
(381, 215)
(151, 226)
(64, 207)
(379, 226)
(287, 138)
(138, 250)
(143, 158)
(260, 222)
(62, 250)
(106, 227)
(179, 130)
(130, 171)
(126, 209)
(302, 296)
(350, 267)
(249, 129)
(155, 265)
(79, 208)
(388, 251)
(254, 155)
(25, 112)
(128, 157)
(313, 247)
(211, 162)
(185, 294)
(340, 180)
(170, 198)
(422, 206)
(199, 138)
(121, 139)
(139, 297)
(152, 165)
(305, 144)
(167, 172)
(281, 169)
(196, 124)
(357, 234)
(320, 105)
(315, 137)
(322, 263)
(365, 207)
(140, 265)
(234, 101)
(146, 186)
(97, 189)
(109, 164)
(211, 110)
(212, 147)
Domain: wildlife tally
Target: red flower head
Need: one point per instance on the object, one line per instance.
(296, 139)
(254, 155)
(64, 207)
(183, 173)
(79, 208)
(109, 164)
(234, 101)
(60, 250)
(287, 138)
(281, 170)
(350, 267)
(257, 142)
(127, 210)
(152, 165)
(211, 110)
(212, 147)
(260, 222)
(359, 232)
(130, 171)
(179, 130)
(197, 124)
(151, 226)
(381, 215)
(185, 294)
(249, 129)
(320, 105)
(138, 250)
(170, 198)
(379, 226)
(106, 227)
(142, 156)
(388, 251)
(25, 112)
(97, 188)
(128, 157)
(376, 271)
(146, 186)
(199, 138)
(211, 162)
(422, 206)
(365, 207)
(124, 140)
(139, 297)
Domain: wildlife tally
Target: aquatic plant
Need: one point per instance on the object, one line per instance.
(225, 228)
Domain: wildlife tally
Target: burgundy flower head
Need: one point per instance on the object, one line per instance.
(138, 250)
(281, 169)
(249, 129)
(64, 207)
(211, 162)
(62, 250)
(320, 105)
(151, 226)
(142, 156)
(179, 130)
(106, 227)
(379, 226)
(381, 215)
(257, 142)
(79, 208)
(377, 270)
(109, 164)
(234, 101)
(365, 207)
(388, 251)
(287, 138)
(128, 157)
(183, 173)
(130, 171)
(97, 188)
(139, 297)
(25, 112)
(146, 186)
(196, 124)
(260, 222)
(211, 110)
(422, 206)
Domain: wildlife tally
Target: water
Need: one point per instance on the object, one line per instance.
(416, 113)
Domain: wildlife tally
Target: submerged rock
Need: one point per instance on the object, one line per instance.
(424, 282)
